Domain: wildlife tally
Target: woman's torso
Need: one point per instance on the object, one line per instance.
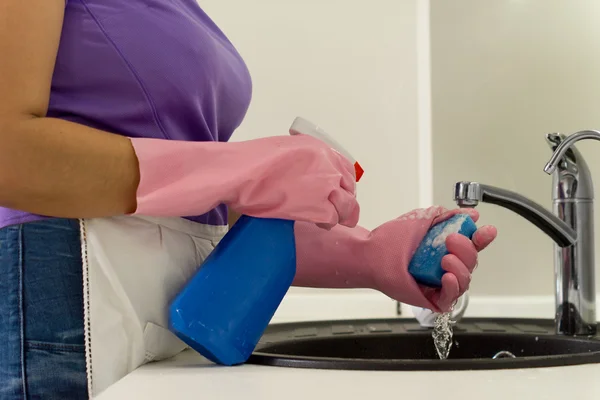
(147, 68)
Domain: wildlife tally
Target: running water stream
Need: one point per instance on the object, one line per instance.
(442, 335)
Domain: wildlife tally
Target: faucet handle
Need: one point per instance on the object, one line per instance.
(554, 140)
(571, 175)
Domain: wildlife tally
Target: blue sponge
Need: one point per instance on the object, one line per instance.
(426, 264)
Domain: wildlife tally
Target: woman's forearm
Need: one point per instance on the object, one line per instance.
(63, 169)
(333, 259)
(49, 166)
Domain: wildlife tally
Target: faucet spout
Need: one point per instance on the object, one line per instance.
(469, 194)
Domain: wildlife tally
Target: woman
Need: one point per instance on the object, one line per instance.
(116, 179)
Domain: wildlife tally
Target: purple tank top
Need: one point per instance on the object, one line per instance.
(147, 68)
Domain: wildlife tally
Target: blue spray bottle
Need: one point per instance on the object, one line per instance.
(223, 311)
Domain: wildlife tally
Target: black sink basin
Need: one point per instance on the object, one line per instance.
(396, 344)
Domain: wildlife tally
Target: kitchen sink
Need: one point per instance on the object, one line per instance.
(400, 344)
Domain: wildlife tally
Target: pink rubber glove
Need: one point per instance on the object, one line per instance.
(289, 177)
(356, 258)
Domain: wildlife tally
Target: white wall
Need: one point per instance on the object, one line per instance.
(505, 73)
(348, 67)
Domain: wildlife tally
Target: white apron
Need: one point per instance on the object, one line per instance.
(132, 268)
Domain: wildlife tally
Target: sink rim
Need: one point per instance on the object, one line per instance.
(261, 356)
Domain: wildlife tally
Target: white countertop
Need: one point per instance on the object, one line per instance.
(189, 376)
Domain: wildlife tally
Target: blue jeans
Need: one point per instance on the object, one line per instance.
(42, 352)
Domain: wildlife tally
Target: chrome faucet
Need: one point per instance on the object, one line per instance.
(570, 225)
